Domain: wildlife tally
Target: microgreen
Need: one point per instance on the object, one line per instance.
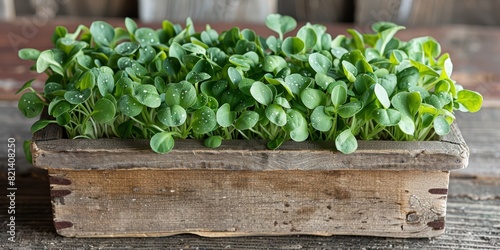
(178, 83)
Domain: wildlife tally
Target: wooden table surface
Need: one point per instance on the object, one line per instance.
(473, 214)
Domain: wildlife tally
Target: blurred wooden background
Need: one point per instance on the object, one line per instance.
(361, 12)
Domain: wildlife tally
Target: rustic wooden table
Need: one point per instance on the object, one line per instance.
(473, 214)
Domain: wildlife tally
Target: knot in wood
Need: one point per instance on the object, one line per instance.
(412, 217)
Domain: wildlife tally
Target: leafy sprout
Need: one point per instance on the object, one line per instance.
(178, 83)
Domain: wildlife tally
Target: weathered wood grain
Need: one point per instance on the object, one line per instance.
(470, 223)
(139, 203)
(449, 153)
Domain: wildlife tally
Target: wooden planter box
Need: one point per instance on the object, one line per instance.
(120, 188)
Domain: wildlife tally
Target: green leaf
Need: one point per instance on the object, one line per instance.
(172, 116)
(124, 86)
(346, 142)
(297, 83)
(171, 66)
(162, 142)
(59, 32)
(146, 55)
(471, 100)
(29, 54)
(350, 109)
(447, 68)
(358, 39)
(274, 44)
(203, 120)
(301, 133)
(86, 81)
(424, 69)
(177, 51)
(338, 52)
(363, 83)
(387, 117)
(407, 125)
(339, 95)
(398, 56)
(209, 37)
(241, 61)
(431, 48)
(53, 89)
(261, 93)
(147, 95)
(102, 33)
(39, 125)
(213, 141)
(389, 82)
(441, 126)
(427, 120)
(127, 48)
(104, 111)
(105, 83)
(47, 60)
(276, 114)
(308, 35)
(63, 119)
(274, 64)
(313, 98)
(129, 106)
(58, 106)
(234, 75)
(320, 120)
(136, 69)
(371, 54)
(247, 119)
(203, 66)
(364, 67)
(427, 109)
(130, 25)
(382, 96)
(407, 103)
(435, 101)
(350, 71)
(195, 77)
(280, 24)
(442, 86)
(77, 97)
(231, 37)
(182, 94)
(408, 78)
(293, 46)
(194, 48)
(323, 80)
(147, 36)
(386, 32)
(283, 102)
(294, 120)
(320, 63)
(225, 117)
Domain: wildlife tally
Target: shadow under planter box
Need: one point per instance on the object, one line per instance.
(121, 188)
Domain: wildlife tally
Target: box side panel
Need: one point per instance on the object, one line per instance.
(138, 203)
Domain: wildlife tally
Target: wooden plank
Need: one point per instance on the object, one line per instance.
(215, 203)
(482, 134)
(469, 222)
(447, 154)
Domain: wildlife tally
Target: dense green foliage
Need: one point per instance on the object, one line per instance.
(177, 83)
